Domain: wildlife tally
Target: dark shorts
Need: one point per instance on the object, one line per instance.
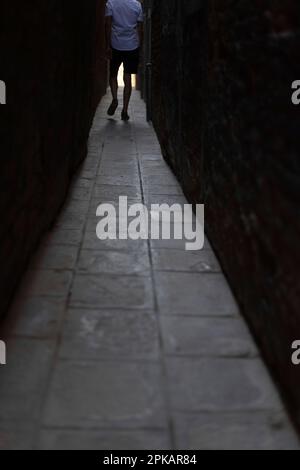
(130, 59)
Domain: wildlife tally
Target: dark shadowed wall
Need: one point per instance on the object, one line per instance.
(51, 58)
(222, 75)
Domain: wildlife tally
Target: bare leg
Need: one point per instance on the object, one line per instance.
(127, 91)
(113, 81)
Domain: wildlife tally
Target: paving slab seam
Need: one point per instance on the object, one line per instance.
(164, 366)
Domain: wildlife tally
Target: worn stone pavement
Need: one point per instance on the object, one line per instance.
(125, 344)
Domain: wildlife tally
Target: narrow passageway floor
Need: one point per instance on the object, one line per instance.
(131, 344)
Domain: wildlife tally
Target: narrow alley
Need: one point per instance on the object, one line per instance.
(131, 344)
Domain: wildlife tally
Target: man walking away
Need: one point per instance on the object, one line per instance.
(124, 36)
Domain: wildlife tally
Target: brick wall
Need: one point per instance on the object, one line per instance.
(51, 61)
(222, 74)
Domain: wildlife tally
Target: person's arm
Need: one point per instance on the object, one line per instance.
(140, 25)
(108, 30)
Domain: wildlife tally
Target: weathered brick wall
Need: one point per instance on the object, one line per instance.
(51, 59)
(222, 108)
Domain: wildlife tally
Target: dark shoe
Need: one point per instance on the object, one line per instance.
(113, 107)
(124, 116)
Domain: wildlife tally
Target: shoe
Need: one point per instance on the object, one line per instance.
(124, 116)
(113, 107)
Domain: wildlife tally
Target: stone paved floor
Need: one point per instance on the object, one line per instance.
(130, 345)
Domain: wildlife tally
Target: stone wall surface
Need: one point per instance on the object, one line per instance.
(222, 75)
(51, 58)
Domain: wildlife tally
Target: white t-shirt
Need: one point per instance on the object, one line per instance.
(125, 16)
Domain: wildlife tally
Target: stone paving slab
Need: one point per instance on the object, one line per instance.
(74, 205)
(234, 431)
(151, 199)
(220, 384)
(175, 245)
(182, 261)
(114, 262)
(130, 345)
(114, 171)
(206, 337)
(37, 317)
(23, 380)
(204, 294)
(106, 394)
(47, 283)
(80, 193)
(94, 334)
(163, 189)
(91, 242)
(71, 220)
(105, 439)
(16, 438)
(64, 237)
(112, 291)
(104, 193)
(55, 258)
(121, 180)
